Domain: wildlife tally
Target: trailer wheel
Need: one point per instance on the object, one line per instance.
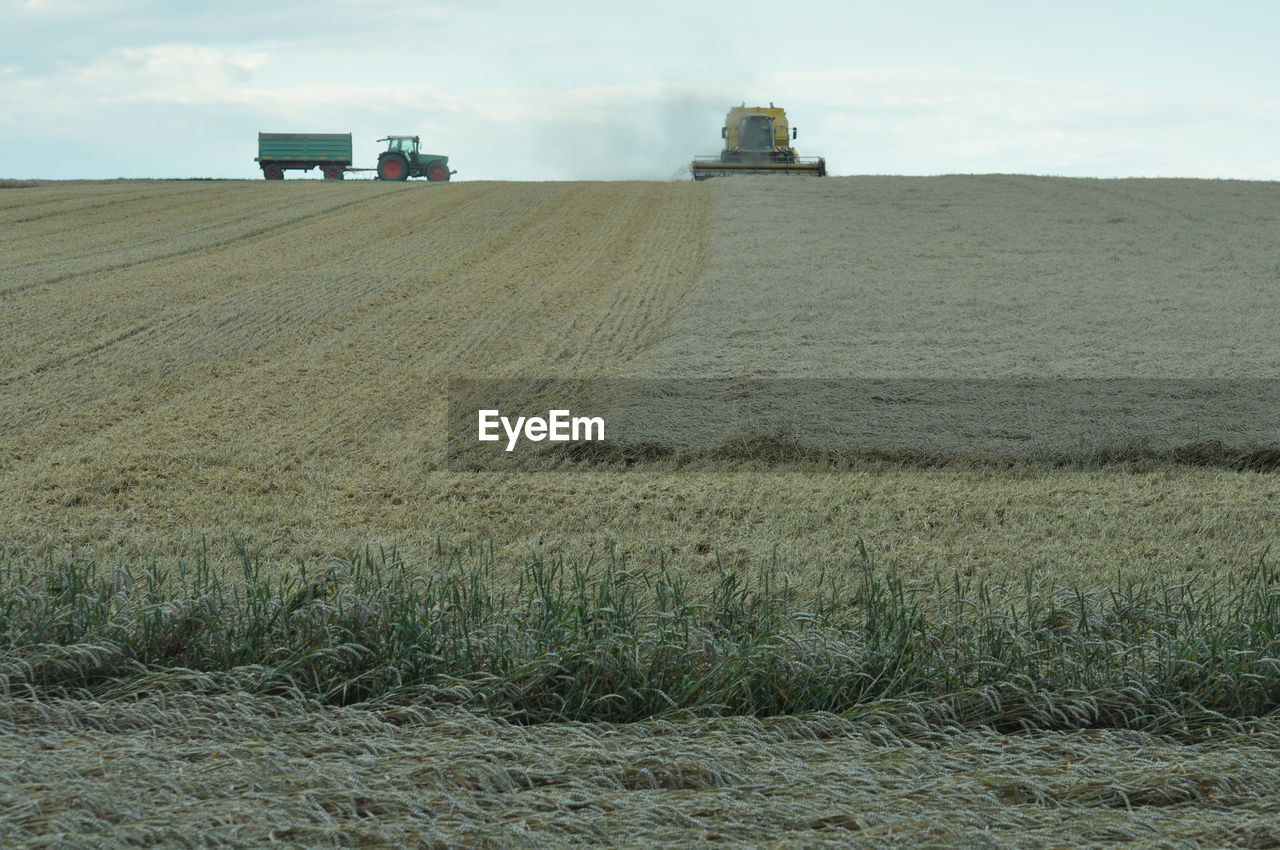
(273, 172)
(333, 172)
(437, 172)
(393, 167)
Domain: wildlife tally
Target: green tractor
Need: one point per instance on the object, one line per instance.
(402, 160)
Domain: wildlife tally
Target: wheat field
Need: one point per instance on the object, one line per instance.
(205, 359)
(188, 364)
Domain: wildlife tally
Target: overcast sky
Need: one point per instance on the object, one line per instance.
(524, 90)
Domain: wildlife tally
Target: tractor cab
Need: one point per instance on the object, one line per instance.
(407, 145)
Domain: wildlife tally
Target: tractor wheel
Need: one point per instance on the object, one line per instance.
(437, 171)
(333, 172)
(273, 172)
(393, 167)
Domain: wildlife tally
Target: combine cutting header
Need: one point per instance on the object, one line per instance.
(757, 140)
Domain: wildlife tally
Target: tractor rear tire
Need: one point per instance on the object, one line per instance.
(393, 167)
(333, 172)
(273, 172)
(437, 172)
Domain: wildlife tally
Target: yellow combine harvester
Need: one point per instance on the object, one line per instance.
(757, 140)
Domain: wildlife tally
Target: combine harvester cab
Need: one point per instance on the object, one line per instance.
(757, 140)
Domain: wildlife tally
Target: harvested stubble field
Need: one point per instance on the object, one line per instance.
(182, 361)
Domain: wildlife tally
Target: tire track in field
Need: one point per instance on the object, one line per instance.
(151, 289)
(452, 287)
(640, 310)
(565, 269)
(521, 280)
(248, 309)
(194, 249)
(99, 343)
(174, 362)
(178, 205)
(114, 232)
(78, 208)
(102, 345)
(444, 306)
(552, 312)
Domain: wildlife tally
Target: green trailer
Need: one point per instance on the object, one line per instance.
(278, 152)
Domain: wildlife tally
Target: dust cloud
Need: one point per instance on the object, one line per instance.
(649, 140)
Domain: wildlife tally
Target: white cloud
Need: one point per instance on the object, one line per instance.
(76, 10)
(171, 73)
